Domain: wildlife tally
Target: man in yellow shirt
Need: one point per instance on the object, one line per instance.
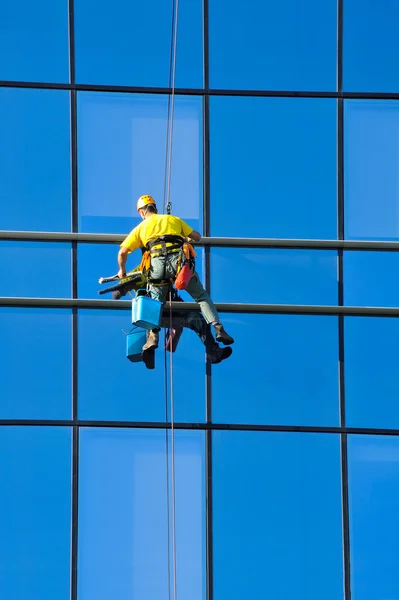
(164, 236)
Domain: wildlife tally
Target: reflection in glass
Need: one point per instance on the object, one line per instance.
(371, 154)
(123, 514)
(34, 41)
(122, 153)
(271, 45)
(373, 506)
(35, 191)
(274, 276)
(273, 167)
(44, 269)
(277, 511)
(283, 371)
(371, 373)
(369, 278)
(129, 43)
(113, 388)
(35, 359)
(371, 54)
(35, 505)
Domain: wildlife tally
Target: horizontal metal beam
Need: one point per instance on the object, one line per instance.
(222, 307)
(84, 87)
(220, 242)
(197, 426)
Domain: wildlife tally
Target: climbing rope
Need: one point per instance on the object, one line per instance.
(167, 209)
(171, 107)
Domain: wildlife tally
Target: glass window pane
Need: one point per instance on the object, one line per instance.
(277, 511)
(35, 360)
(371, 154)
(122, 154)
(371, 373)
(35, 505)
(369, 278)
(128, 391)
(34, 41)
(123, 484)
(371, 54)
(271, 45)
(129, 43)
(274, 276)
(287, 375)
(35, 191)
(100, 260)
(272, 161)
(373, 504)
(44, 269)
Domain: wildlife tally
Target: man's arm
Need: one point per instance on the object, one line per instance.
(122, 258)
(194, 236)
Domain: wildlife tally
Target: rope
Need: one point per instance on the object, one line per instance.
(167, 208)
(171, 107)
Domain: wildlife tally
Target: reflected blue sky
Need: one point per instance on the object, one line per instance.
(277, 510)
(35, 172)
(291, 381)
(123, 547)
(122, 155)
(373, 501)
(371, 53)
(34, 41)
(271, 45)
(35, 508)
(273, 167)
(129, 43)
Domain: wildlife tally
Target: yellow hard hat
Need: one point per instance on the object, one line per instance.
(145, 201)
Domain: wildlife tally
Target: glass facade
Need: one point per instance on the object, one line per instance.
(276, 477)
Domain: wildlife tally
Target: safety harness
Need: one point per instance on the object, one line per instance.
(163, 246)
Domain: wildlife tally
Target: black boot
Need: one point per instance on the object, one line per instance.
(222, 336)
(217, 354)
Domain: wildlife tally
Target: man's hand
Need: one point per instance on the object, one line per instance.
(121, 273)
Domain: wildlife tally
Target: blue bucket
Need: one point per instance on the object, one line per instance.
(135, 341)
(146, 311)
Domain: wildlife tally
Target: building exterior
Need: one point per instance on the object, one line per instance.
(273, 474)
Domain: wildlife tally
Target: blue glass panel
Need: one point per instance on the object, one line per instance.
(271, 45)
(277, 516)
(43, 269)
(371, 155)
(35, 360)
(283, 371)
(35, 186)
(369, 278)
(129, 43)
(113, 388)
(34, 41)
(123, 514)
(371, 373)
(273, 167)
(100, 260)
(35, 505)
(371, 54)
(373, 504)
(273, 276)
(122, 155)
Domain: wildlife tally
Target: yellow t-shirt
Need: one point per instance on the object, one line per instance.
(154, 227)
